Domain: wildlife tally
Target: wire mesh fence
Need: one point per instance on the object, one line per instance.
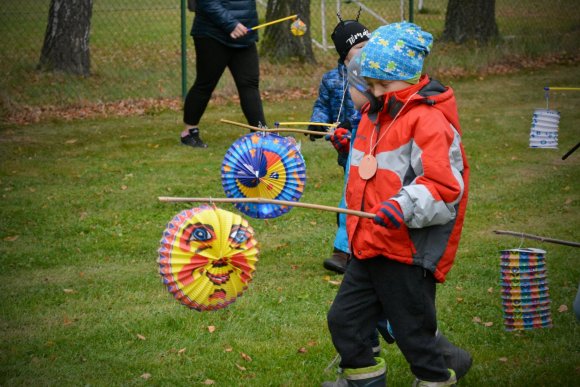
(136, 46)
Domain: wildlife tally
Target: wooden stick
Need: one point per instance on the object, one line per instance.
(273, 130)
(539, 238)
(305, 123)
(288, 203)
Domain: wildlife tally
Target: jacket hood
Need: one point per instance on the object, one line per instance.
(427, 91)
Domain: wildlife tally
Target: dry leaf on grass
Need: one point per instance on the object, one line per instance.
(245, 356)
(476, 320)
(302, 350)
(11, 238)
(241, 368)
(182, 350)
(146, 376)
(140, 337)
(69, 291)
(211, 328)
(562, 308)
(208, 382)
(228, 349)
(488, 324)
(503, 359)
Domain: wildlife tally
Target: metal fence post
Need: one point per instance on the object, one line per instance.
(183, 49)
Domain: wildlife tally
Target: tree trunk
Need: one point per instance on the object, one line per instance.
(278, 44)
(470, 20)
(66, 41)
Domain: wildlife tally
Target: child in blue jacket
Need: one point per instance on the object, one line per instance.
(334, 104)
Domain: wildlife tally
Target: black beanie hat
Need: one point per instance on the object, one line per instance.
(347, 34)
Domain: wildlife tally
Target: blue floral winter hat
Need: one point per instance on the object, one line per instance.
(396, 52)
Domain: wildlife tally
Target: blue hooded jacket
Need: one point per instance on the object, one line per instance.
(332, 93)
(217, 19)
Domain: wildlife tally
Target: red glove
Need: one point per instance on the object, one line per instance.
(340, 139)
(389, 215)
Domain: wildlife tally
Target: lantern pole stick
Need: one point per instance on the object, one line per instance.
(536, 237)
(562, 88)
(273, 22)
(288, 203)
(257, 129)
(304, 123)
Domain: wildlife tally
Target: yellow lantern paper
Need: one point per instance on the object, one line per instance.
(207, 257)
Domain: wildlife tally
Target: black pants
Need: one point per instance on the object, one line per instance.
(212, 58)
(377, 288)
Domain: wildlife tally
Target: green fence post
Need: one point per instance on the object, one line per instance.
(411, 11)
(183, 49)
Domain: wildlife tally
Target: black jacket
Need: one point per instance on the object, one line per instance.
(217, 18)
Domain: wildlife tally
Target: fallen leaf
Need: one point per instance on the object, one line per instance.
(476, 320)
(241, 368)
(490, 290)
(312, 343)
(302, 350)
(245, 357)
(124, 187)
(66, 320)
(146, 376)
(503, 359)
(211, 328)
(71, 141)
(141, 337)
(488, 324)
(459, 299)
(228, 349)
(458, 288)
(334, 282)
(182, 350)
(11, 238)
(295, 267)
(313, 223)
(562, 308)
(207, 382)
(68, 291)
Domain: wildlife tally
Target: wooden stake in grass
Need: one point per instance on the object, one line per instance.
(288, 203)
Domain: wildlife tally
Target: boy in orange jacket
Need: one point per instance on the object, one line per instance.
(408, 166)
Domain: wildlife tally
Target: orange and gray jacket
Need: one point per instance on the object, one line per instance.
(422, 165)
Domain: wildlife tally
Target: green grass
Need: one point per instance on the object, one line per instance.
(81, 224)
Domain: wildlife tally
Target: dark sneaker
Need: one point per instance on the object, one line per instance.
(193, 139)
(337, 262)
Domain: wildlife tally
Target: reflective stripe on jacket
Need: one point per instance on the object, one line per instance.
(422, 165)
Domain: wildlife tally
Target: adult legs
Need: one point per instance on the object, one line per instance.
(245, 68)
(211, 59)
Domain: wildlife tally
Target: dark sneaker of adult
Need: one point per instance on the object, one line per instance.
(191, 138)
